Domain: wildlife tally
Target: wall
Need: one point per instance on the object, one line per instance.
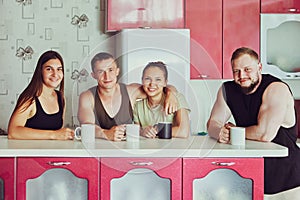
(40, 26)
(46, 24)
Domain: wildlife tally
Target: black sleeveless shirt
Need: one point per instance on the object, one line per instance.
(44, 121)
(279, 173)
(124, 115)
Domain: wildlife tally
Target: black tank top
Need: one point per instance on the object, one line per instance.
(279, 173)
(44, 121)
(124, 115)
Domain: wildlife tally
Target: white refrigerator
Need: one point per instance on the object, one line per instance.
(136, 47)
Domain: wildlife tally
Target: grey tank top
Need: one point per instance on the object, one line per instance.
(123, 116)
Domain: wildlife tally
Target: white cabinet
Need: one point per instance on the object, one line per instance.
(280, 45)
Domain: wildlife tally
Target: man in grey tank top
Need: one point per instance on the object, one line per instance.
(109, 104)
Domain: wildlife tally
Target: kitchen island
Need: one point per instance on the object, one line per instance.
(181, 164)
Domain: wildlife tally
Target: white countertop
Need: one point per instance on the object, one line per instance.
(194, 146)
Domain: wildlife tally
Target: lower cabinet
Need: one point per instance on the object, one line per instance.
(57, 178)
(223, 178)
(7, 177)
(131, 178)
(141, 178)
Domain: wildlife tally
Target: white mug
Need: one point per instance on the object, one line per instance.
(237, 135)
(85, 133)
(132, 132)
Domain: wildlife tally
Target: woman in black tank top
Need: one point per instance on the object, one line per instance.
(40, 108)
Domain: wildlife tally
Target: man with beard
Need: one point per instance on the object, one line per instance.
(264, 105)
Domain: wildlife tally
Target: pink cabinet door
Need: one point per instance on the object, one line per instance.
(84, 168)
(7, 175)
(136, 13)
(116, 168)
(198, 168)
(204, 19)
(280, 6)
(241, 27)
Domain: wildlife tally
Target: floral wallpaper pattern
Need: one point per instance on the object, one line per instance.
(29, 28)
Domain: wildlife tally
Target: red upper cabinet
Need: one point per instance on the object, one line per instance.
(280, 6)
(241, 27)
(144, 13)
(204, 19)
(217, 28)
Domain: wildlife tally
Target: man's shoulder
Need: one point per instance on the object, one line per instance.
(89, 92)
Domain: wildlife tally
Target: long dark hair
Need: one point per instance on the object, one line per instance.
(35, 87)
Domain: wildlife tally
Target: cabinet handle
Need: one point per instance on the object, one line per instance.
(134, 163)
(223, 163)
(58, 163)
(293, 10)
(203, 76)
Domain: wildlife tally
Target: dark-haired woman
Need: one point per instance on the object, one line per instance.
(40, 108)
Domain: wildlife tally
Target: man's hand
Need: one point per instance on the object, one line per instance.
(171, 103)
(224, 135)
(116, 133)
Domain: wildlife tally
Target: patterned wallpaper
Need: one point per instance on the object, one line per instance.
(28, 28)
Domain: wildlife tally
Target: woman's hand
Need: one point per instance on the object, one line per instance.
(63, 134)
(149, 132)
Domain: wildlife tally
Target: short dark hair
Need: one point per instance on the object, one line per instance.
(99, 57)
(159, 64)
(241, 51)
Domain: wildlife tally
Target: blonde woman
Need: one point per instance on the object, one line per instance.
(149, 111)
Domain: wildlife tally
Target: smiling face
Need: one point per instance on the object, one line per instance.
(153, 81)
(52, 72)
(106, 72)
(247, 73)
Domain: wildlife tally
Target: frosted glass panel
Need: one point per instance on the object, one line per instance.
(140, 184)
(57, 184)
(222, 184)
(1, 189)
(283, 46)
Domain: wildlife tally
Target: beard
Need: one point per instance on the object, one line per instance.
(250, 88)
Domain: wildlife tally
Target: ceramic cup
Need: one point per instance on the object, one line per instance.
(132, 133)
(85, 133)
(164, 130)
(237, 136)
